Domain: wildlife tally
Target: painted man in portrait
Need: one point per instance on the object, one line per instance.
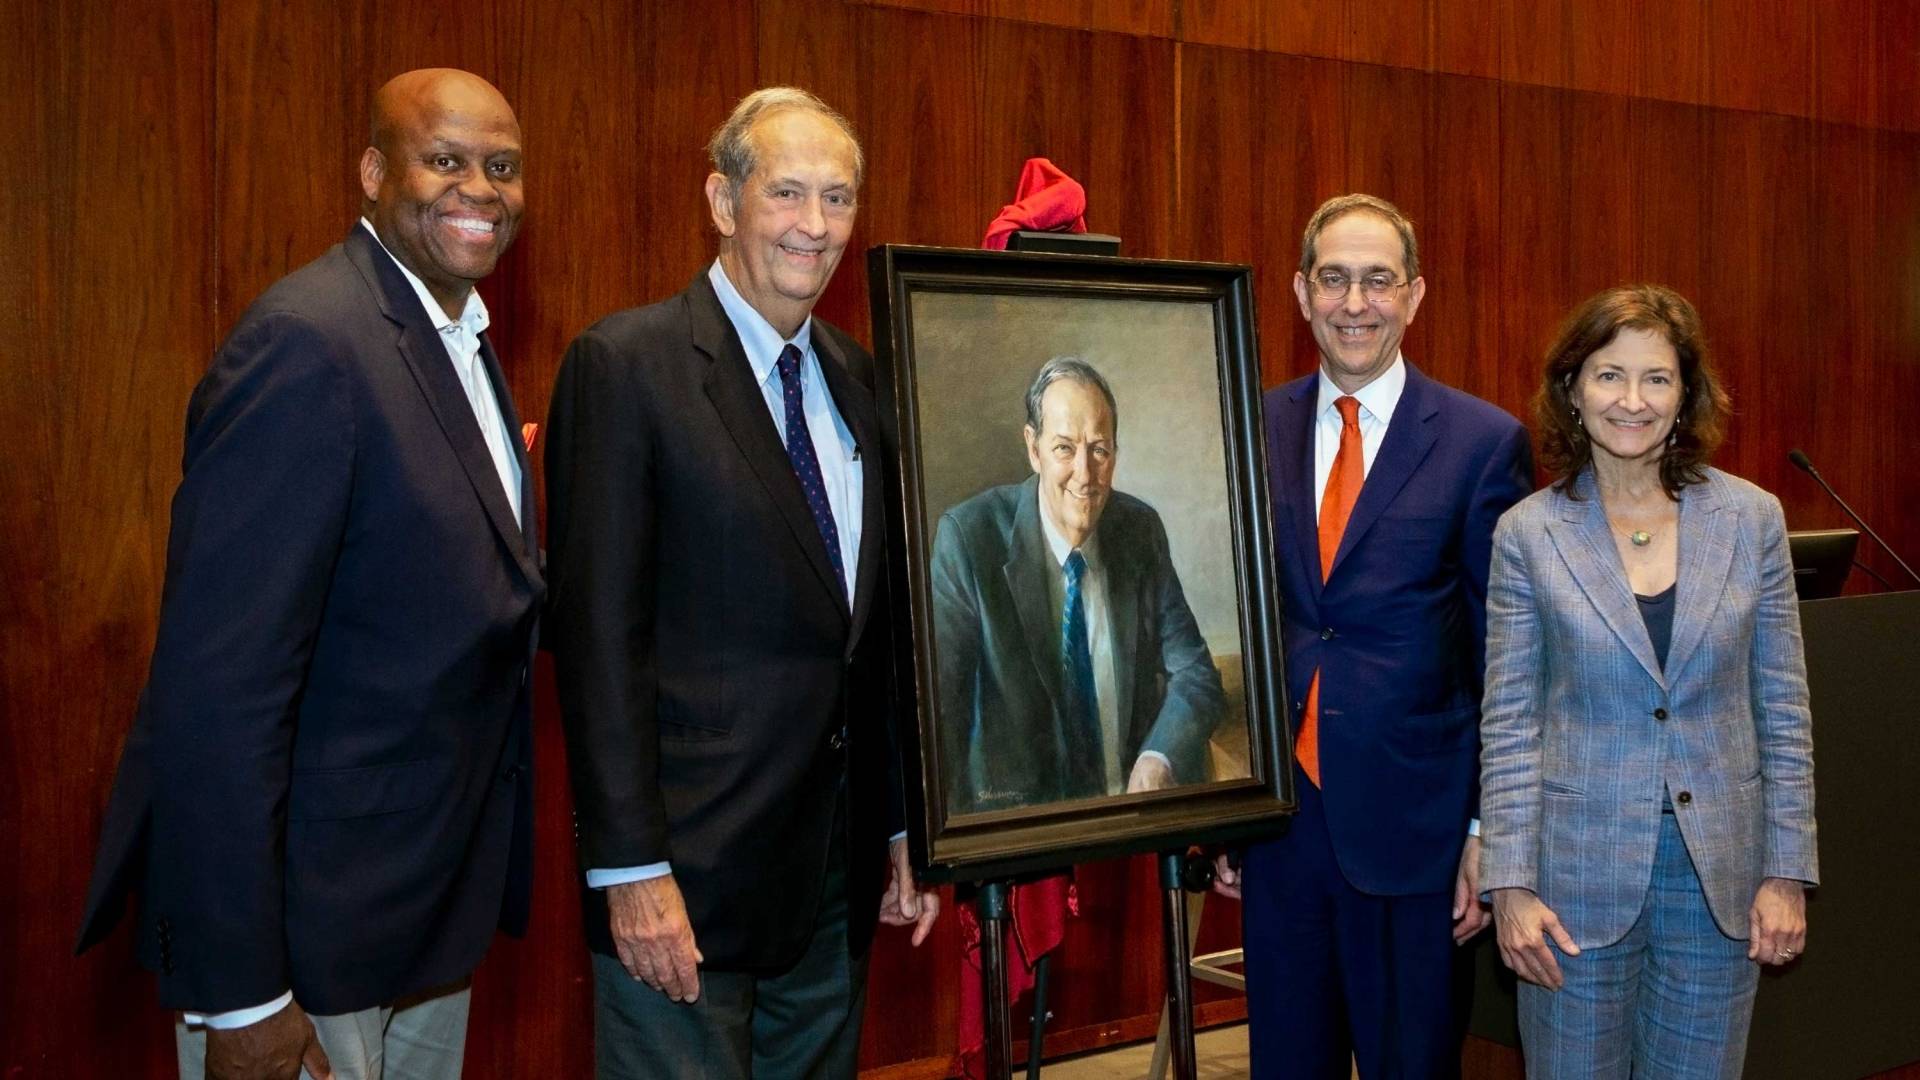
(1069, 663)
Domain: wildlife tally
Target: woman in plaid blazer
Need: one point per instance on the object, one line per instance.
(1647, 754)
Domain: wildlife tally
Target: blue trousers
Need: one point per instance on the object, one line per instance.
(1337, 977)
(1672, 999)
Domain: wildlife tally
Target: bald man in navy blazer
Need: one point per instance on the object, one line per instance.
(325, 801)
(1352, 916)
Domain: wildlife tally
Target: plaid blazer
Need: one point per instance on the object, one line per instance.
(1582, 731)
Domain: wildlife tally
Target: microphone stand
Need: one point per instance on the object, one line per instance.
(1805, 464)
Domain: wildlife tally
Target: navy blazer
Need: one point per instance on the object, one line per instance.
(327, 786)
(717, 693)
(997, 637)
(1398, 629)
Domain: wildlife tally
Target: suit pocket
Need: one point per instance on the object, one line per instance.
(1438, 732)
(332, 794)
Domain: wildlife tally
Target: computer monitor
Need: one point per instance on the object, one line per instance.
(1821, 559)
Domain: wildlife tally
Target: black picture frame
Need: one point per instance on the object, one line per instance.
(908, 285)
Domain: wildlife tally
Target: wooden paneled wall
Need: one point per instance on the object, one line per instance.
(171, 160)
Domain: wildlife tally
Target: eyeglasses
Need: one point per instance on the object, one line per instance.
(1334, 285)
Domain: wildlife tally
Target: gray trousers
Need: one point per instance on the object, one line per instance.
(801, 1024)
(423, 1037)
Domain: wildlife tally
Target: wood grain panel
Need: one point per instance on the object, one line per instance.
(291, 89)
(1536, 226)
(1297, 27)
(1533, 42)
(1459, 226)
(1758, 220)
(1880, 482)
(1602, 45)
(1668, 146)
(1760, 63)
(1144, 18)
(1396, 33)
(1896, 65)
(106, 332)
(1465, 39)
(1843, 63)
(1262, 145)
(1671, 52)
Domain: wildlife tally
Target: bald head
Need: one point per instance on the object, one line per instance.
(442, 178)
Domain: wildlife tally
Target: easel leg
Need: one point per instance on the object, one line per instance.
(1179, 958)
(993, 975)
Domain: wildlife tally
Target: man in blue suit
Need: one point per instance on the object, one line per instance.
(1070, 663)
(1386, 488)
(325, 801)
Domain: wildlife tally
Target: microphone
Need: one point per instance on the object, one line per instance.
(1805, 465)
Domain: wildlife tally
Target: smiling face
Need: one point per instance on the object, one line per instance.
(1073, 453)
(784, 232)
(1627, 395)
(442, 182)
(1358, 338)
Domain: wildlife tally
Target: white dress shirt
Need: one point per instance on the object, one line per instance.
(461, 337)
(1106, 675)
(833, 445)
(1378, 399)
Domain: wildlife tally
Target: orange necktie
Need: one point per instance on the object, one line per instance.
(1343, 487)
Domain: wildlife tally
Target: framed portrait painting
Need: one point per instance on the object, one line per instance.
(1082, 582)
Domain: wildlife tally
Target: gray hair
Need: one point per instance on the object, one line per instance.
(731, 146)
(1077, 370)
(1342, 205)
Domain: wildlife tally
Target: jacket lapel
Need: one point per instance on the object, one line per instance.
(1410, 437)
(856, 408)
(1585, 543)
(1707, 531)
(1295, 474)
(1028, 563)
(426, 360)
(743, 411)
(1122, 571)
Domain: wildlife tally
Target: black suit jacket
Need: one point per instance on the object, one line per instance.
(715, 689)
(997, 635)
(327, 784)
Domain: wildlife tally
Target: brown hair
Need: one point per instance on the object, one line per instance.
(1698, 427)
(1340, 206)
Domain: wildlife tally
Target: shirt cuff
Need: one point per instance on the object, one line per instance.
(1158, 756)
(901, 835)
(627, 875)
(1473, 827)
(239, 1018)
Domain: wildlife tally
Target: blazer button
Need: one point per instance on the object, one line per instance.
(1683, 798)
(837, 740)
(1327, 634)
(1659, 714)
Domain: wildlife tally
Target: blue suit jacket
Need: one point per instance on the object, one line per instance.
(1584, 729)
(327, 786)
(996, 635)
(1397, 630)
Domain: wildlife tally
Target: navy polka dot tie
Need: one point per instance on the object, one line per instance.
(806, 464)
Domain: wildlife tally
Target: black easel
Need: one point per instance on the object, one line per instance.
(1178, 875)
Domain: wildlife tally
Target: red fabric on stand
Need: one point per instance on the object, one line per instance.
(1048, 199)
(1036, 924)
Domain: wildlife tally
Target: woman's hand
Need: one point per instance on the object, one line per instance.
(1523, 925)
(1777, 922)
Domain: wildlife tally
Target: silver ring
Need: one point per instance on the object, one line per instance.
(1784, 954)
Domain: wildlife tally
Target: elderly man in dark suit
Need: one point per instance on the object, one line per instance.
(325, 798)
(1069, 663)
(1386, 487)
(721, 632)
